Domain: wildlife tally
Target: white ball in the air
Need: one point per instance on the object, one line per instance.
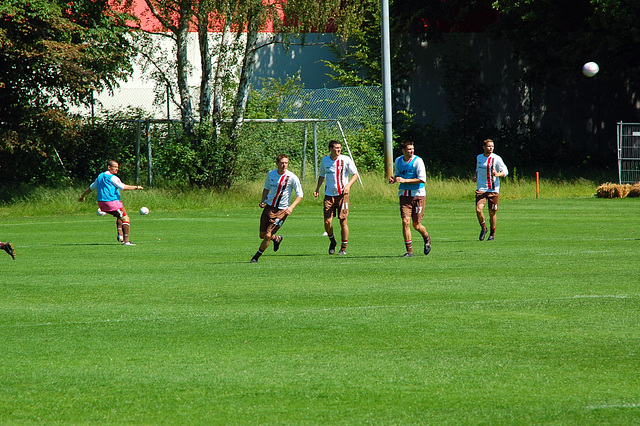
(590, 69)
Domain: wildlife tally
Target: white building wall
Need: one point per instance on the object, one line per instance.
(273, 61)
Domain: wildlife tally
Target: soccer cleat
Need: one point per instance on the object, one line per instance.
(491, 238)
(482, 234)
(128, 243)
(8, 247)
(332, 246)
(276, 243)
(254, 260)
(342, 252)
(407, 254)
(427, 248)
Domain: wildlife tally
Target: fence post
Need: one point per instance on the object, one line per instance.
(315, 149)
(139, 122)
(149, 163)
(304, 152)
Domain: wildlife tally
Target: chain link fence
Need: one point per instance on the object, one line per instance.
(306, 121)
(311, 118)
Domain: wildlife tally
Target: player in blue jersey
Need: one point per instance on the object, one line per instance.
(108, 186)
(336, 168)
(411, 174)
(489, 169)
(276, 204)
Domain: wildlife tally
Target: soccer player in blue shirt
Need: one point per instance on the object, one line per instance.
(411, 174)
(109, 186)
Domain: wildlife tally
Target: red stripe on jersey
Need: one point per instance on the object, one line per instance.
(339, 171)
(282, 184)
(489, 173)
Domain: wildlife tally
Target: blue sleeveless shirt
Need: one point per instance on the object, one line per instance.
(107, 191)
(408, 171)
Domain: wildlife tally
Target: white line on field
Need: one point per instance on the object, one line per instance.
(106, 218)
(115, 321)
(476, 302)
(325, 309)
(600, 407)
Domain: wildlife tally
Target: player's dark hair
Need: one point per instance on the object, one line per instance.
(404, 144)
(280, 157)
(486, 141)
(111, 163)
(333, 143)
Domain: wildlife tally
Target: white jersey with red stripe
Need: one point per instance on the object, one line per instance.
(484, 172)
(336, 173)
(280, 187)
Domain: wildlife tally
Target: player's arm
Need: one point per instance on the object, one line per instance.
(317, 191)
(353, 179)
(121, 186)
(84, 194)
(293, 205)
(87, 191)
(131, 187)
(392, 179)
(503, 170)
(412, 180)
(265, 193)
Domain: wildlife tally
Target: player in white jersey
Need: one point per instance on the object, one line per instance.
(489, 169)
(276, 204)
(335, 168)
(411, 174)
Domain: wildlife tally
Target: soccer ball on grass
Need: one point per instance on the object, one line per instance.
(144, 211)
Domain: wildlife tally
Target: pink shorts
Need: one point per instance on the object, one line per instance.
(114, 208)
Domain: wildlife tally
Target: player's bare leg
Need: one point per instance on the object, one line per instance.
(125, 231)
(328, 227)
(493, 220)
(266, 240)
(406, 233)
(344, 233)
(119, 229)
(418, 226)
(481, 221)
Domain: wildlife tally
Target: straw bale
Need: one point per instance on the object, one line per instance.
(613, 190)
(635, 190)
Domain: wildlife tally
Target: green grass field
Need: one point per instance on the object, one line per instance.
(539, 326)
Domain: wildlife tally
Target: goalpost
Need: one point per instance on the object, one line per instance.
(143, 133)
(315, 122)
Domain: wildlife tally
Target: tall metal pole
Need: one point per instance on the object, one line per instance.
(386, 87)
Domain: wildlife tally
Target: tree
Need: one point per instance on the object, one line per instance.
(54, 53)
(237, 25)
